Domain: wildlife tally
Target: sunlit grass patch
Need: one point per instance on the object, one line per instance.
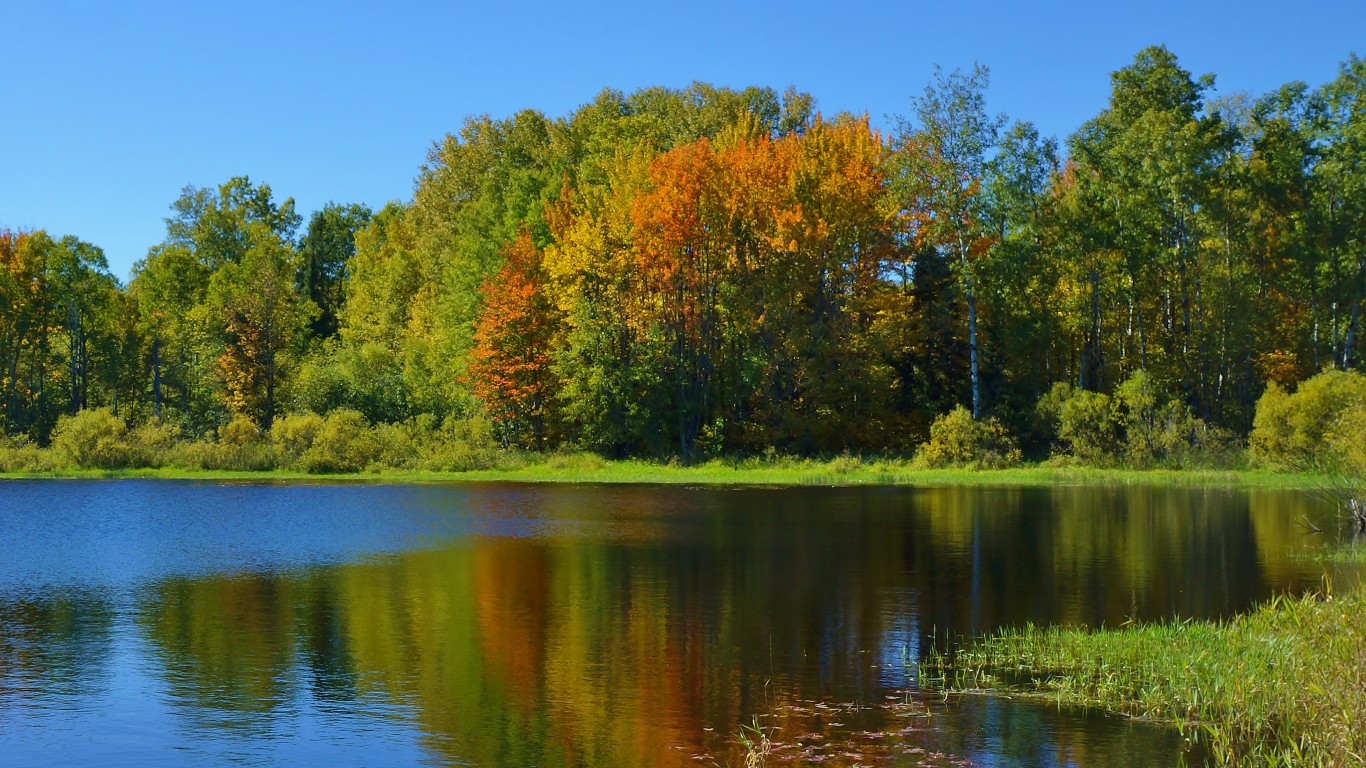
(1284, 685)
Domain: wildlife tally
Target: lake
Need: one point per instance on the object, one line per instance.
(151, 623)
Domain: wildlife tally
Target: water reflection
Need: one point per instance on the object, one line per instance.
(53, 649)
(588, 626)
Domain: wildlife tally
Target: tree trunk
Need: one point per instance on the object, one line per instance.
(1092, 357)
(156, 376)
(1355, 322)
(971, 297)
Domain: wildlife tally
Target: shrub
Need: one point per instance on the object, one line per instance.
(93, 438)
(580, 461)
(1292, 431)
(318, 385)
(1079, 423)
(463, 445)
(153, 443)
(1134, 426)
(1169, 435)
(1135, 413)
(1177, 439)
(344, 443)
(1346, 440)
(959, 440)
(1087, 428)
(291, 436)
(198, 454)
(368, 378)
(1041, 433)
(18, 454)
(844, 464)
(240, 447)
(396, 445)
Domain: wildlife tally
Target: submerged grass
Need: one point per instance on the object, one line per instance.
(1284, 685)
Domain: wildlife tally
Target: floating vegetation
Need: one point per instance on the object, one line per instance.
(895, 731)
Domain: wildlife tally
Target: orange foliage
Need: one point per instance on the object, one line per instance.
(510, 364)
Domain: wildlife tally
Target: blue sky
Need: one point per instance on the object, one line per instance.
(111, 108)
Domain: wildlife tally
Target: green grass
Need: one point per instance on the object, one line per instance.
(842, 471)
(1284, 685)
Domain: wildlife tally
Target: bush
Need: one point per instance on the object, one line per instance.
(1135, 413)
(344, 443)
(396, 445)
(844, 464)
(1271, 438)
(153, 443)
(463, 445)
(97, 439)
(291, 436)
(1165, 436)
(1132, 427)
(240, 447)
(368, 378)
(94, 439)
(1347, 440)
(1293, 430)
(1087, 428)
(958, 440)
(1178, 439)
(580, 461)
(17, 454)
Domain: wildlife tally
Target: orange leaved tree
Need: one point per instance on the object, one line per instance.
(510, 365)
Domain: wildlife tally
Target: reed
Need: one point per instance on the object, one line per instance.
(1283, 685)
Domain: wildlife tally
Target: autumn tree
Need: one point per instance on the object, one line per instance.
(61, 330)
(186, 309)
(263, 318)
(514, 338)
(22, 268)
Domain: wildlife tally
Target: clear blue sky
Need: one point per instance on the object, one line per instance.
(111, 108)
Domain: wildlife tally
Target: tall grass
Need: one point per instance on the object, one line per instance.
(1284, 685)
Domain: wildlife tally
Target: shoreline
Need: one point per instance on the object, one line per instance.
(835, 473)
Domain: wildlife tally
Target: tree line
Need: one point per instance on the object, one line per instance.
(707, 270)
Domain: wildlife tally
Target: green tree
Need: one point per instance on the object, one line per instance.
(221, 225)
(1343, 185)
(58, 328)
(86, 299)
(327, 245)
(168, 286)
(940, 159)
(263, 319)
(1021, 279)
(1146, 162)
(200, 324)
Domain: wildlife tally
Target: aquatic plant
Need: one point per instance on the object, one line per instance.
(1284, 685)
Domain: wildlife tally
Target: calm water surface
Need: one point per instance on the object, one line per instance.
(148, 623)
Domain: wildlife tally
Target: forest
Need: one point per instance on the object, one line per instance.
(715, 272)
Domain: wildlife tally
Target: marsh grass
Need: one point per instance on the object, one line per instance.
(755, 739)
(1284, 685)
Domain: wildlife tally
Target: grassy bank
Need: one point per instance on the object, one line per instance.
(1284, 685)
(842, 471)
